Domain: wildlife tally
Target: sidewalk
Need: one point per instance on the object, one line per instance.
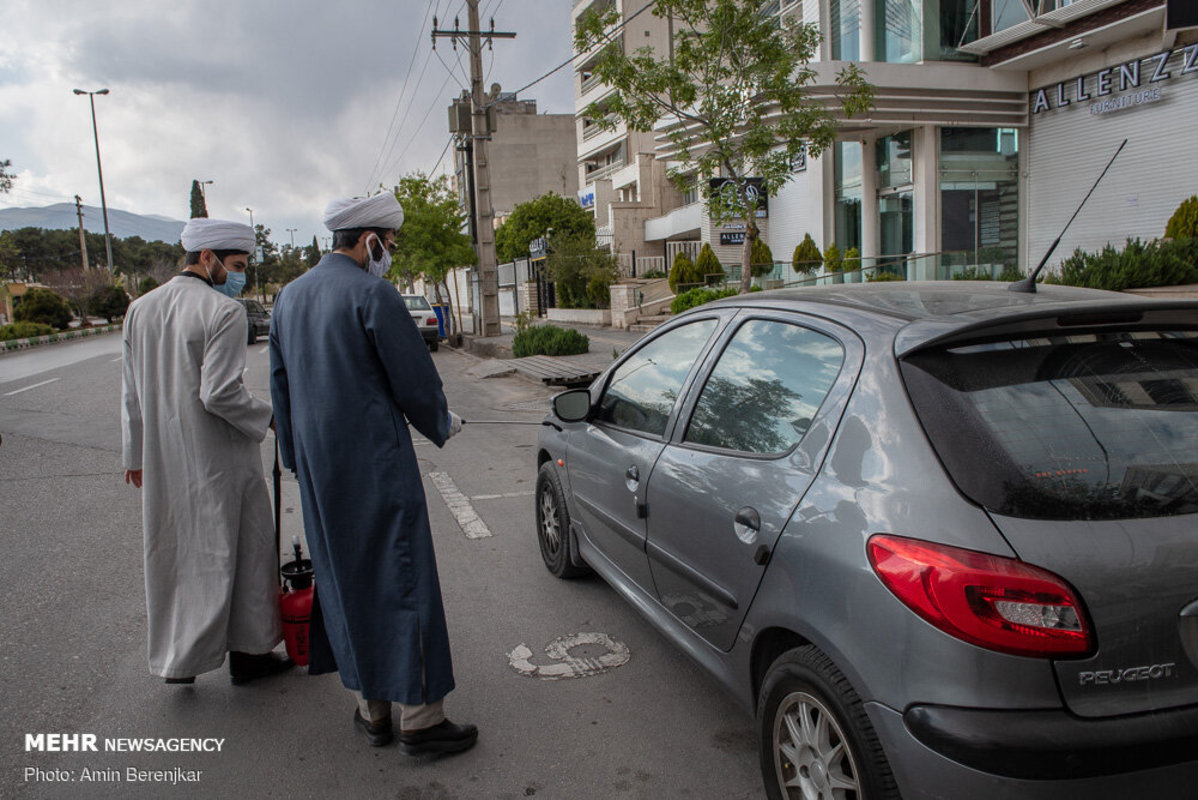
(606, 344)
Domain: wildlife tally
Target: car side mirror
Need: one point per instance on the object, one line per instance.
(572, 406)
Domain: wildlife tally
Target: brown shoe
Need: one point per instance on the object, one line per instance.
(377, 733)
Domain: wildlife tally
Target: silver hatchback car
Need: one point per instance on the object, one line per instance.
(941, 538)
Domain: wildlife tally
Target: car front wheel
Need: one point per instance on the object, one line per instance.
(553, 525)
(815, 738)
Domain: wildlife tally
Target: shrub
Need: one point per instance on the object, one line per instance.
(1184, 222)
(1137, 265)
(1009, 273)
(761, 259)
(108, 302)
(45, 307)
(655, 273)
(832, 259)
(148, 284)
(806, 258)
(881, 277)
(707, 264)
(697, 297)
(852, 260)
(683, 271)
(549, 340)
(24, 330)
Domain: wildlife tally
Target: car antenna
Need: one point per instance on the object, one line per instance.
(1028, 284)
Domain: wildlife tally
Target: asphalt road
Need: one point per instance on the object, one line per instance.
(72, 635)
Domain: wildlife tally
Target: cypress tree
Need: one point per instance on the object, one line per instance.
(198, 207)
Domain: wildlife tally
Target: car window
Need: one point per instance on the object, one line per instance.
(1090, 426)
(643, 389)
(765, 389)
(416, 303)
(255, 306)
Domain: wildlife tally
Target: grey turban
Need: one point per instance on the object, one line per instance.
(380, 211)
(217, 234)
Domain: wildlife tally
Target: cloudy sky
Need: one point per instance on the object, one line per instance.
(281, 104)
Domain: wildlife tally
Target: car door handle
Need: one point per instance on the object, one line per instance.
(633, 474)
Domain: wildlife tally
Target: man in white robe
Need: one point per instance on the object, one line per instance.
(191, 435)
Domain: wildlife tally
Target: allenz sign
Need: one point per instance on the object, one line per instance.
(1129, 84)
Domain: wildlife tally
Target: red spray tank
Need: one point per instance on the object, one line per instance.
(295, 604)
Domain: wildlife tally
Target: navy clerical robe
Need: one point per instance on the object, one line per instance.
(349, 372)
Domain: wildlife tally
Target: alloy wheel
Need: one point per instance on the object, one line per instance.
(812, 759)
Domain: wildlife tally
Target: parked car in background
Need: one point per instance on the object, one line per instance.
(940, 538)
(424, 317)
(258, 316)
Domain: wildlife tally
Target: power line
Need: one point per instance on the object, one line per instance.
(449, 69)
(570, 60)
(403, 91)
(436, 101)
(442, 156)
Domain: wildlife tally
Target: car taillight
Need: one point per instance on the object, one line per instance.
(430, 321)
(993, 602)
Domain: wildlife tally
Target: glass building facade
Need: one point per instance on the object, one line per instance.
(979, 200)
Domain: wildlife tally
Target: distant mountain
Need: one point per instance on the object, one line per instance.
(122, 224)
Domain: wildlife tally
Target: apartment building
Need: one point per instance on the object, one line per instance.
(992, 119)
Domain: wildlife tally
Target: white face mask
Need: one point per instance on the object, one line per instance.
(378, 267)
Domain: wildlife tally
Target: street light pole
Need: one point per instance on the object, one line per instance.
(91, 96)
(292, 232)
(203, 193)
(255, 254)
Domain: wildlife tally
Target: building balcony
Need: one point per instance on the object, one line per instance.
(682, 221)
(594, 142)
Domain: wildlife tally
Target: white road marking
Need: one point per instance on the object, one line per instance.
(265, 347)
(459, 506)
(566, 665)
(505, 494)
(118, 358)
(32, 386)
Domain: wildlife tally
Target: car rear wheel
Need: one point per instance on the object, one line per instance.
(432, 347)
(553, 525)
(816, 741)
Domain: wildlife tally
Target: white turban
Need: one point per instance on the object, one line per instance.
(381, 211)
(217, 234)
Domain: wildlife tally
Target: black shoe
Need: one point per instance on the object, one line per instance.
(447, 737)
(192, 679)
(377, 733)
(244, 667)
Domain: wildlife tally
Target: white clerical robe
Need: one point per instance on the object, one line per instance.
(191, 425)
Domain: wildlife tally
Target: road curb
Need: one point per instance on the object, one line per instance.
(23, 344)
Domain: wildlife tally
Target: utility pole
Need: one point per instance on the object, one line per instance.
(82, 238)
(480, 134)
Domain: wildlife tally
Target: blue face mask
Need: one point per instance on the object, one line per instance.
(234, 282)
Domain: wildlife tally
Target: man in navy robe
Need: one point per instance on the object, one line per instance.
(349, 374)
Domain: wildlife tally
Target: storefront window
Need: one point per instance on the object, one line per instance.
(1005, 13)
(847, 216)
(898, 33)
(979, 200)
(846, 27)
(894, 160)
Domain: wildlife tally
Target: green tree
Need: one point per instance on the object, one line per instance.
(761, 259)
(728, 63)
(707, 264)
(6, 176)
(806, 258)
(312, 253)
(45, 307)
(832, 258)
(147, 284)
(431, 241)
(852, 260)
(582, 272)
(1184, 222)
(683, 271)
(108, 302)
(535, 219)
(198, 207)
(10, 257)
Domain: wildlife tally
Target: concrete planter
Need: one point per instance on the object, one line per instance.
(580, 316)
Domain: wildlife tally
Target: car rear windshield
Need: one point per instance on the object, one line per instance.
(417, 304)
(1090, 426)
